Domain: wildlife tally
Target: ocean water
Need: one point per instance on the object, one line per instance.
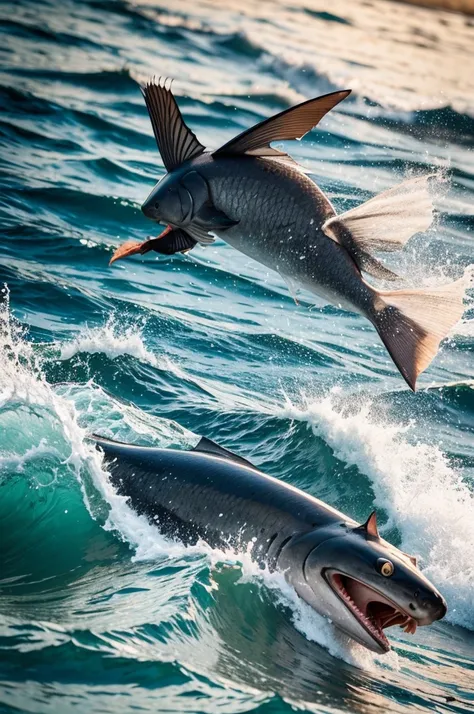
(98, 612)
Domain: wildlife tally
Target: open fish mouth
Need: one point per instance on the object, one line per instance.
(372, 610)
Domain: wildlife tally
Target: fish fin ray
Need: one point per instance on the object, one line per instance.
(339, 233)
(368, 264)
(176, 142)
(412, 323)
(387, 221)
(268, 152)
(200, 234)
(292, 123)
(292, 287)
(171, 242)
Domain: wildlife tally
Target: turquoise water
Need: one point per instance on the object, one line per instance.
(98, 612)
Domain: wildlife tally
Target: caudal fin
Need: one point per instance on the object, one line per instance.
(412, 323)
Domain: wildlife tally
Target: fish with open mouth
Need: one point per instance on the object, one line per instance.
(259, 200)
(345, 571)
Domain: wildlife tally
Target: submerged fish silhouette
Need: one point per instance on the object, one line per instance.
(259, 200)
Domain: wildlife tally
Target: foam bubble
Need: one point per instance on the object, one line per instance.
(114, 341)
(422, 492)
(465, 328)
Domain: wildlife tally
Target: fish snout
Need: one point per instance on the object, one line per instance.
(151, 208)
(428, 606)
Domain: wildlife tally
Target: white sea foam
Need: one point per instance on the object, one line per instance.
(113, 340)
(12, 462)
(424, 495)
(465, 328)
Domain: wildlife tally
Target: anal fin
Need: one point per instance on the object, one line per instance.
(372, 266)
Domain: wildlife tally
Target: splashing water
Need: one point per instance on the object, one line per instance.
(112, 340)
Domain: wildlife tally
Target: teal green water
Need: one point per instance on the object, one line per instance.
(98, 612)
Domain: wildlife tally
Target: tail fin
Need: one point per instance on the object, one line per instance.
(412, 323)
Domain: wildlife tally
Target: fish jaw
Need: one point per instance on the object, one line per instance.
(374, 611)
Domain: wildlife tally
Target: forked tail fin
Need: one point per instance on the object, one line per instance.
(412, 323)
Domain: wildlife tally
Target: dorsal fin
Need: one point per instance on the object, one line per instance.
(176, 142)
(370, 526)
(204, 446)
(412, 558)
(292, 123)
(207, 446)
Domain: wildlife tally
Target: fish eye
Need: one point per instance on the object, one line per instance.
(157, 205)
(385, 567)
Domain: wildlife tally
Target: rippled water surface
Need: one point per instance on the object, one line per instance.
(98, 612)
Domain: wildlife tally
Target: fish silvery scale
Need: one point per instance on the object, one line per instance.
(261, 202)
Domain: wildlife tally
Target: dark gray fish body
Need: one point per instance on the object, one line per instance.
(196, 495)
(212, 495)
(258, 200)
(279, 214)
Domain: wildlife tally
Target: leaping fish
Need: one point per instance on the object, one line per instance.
(260, 201)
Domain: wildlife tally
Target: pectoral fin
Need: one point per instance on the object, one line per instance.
(200, 234)
(176, 142)
(171, 241)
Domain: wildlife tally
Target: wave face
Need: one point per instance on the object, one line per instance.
(99, 612)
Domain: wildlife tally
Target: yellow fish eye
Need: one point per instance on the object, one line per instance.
(386, 567)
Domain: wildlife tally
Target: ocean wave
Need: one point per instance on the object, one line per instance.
(68, 202)
(113, 340)
(71, 124)
(32, 30)
(113, 81)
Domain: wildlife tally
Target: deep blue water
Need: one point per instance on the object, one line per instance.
(98, 612)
